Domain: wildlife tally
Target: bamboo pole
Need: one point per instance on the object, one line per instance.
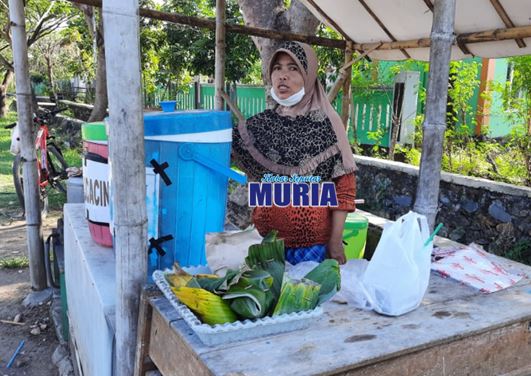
(126, 146)
(468, 38)
(442, 35)
(219, 75)
(27, 147)
(345, 103)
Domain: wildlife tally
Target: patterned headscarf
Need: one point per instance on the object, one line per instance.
(305, 139)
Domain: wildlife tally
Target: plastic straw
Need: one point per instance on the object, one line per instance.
(430, 239)
(20, 346)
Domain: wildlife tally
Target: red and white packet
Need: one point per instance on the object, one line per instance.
(474, 267)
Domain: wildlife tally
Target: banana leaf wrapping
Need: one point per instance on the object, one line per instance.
(210, 308)
(259, 288)
(297, 296)
(327, 274)
(269, 256)
(251, 297)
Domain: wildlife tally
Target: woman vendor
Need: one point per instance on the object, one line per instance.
(301, 135)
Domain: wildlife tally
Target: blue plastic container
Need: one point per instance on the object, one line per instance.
(168, 106)
(196, 146)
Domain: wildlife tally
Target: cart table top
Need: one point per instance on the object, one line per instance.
(456, 330)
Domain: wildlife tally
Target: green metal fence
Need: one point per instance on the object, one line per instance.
(370, 114)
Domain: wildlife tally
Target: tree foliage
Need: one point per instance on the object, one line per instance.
(43, 17)
(193, 49)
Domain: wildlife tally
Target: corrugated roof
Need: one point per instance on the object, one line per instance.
(370, 21)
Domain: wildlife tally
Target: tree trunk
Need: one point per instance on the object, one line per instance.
(395, 124)
(442, 36)
(8, 77)
(101, 100)
(271, 14)
(50, 79)
(219, 77)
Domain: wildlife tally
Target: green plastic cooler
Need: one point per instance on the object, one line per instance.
(355, 235)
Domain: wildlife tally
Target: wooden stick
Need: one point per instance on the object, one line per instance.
(12, 322)
(506, 20)
(219, 75)
(345, 102)
(382, 26)
(358, 58)
(332, 94)
(233, 107)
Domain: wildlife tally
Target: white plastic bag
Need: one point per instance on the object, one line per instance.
(399, 272)
(15, 140)
(227, 250)
(352, 290)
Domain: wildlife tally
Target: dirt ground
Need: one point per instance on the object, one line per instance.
(35, 358)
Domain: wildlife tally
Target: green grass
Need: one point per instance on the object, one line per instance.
(6, 158)
(14, 262)
(8, 197)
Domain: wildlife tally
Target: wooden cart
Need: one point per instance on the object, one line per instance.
(456, 331)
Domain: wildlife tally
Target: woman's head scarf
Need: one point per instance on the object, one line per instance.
(305, 139)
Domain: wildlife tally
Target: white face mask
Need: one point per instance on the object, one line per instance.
(290, 101)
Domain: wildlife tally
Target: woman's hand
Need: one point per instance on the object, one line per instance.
(336, 250)
(335, 244)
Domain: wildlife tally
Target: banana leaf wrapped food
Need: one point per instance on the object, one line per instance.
(259, 288)
(297, 296)
(210, 308)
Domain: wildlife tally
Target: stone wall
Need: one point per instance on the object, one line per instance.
(494, 215)
(68, 130)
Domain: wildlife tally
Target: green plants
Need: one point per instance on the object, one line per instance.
(377, 136)
(521, 252)
(14, 262)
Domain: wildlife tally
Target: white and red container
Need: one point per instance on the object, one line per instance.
(96, 184)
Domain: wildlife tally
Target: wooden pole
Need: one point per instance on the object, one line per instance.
(345, 103)
(442, 35)
(126, 146)
(219, 75)
(27, 147)
(332, 94)
(483, 112)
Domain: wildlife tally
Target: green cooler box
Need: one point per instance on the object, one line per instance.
(355, 235)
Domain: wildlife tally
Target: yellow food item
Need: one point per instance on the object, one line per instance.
(211, 276)
(178, 280)
(210, 308)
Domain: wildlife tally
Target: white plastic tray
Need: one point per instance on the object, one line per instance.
(239, 330)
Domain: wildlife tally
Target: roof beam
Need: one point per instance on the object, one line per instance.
(381, 24)
(328, 19)
(506, 20)
(475, 37)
